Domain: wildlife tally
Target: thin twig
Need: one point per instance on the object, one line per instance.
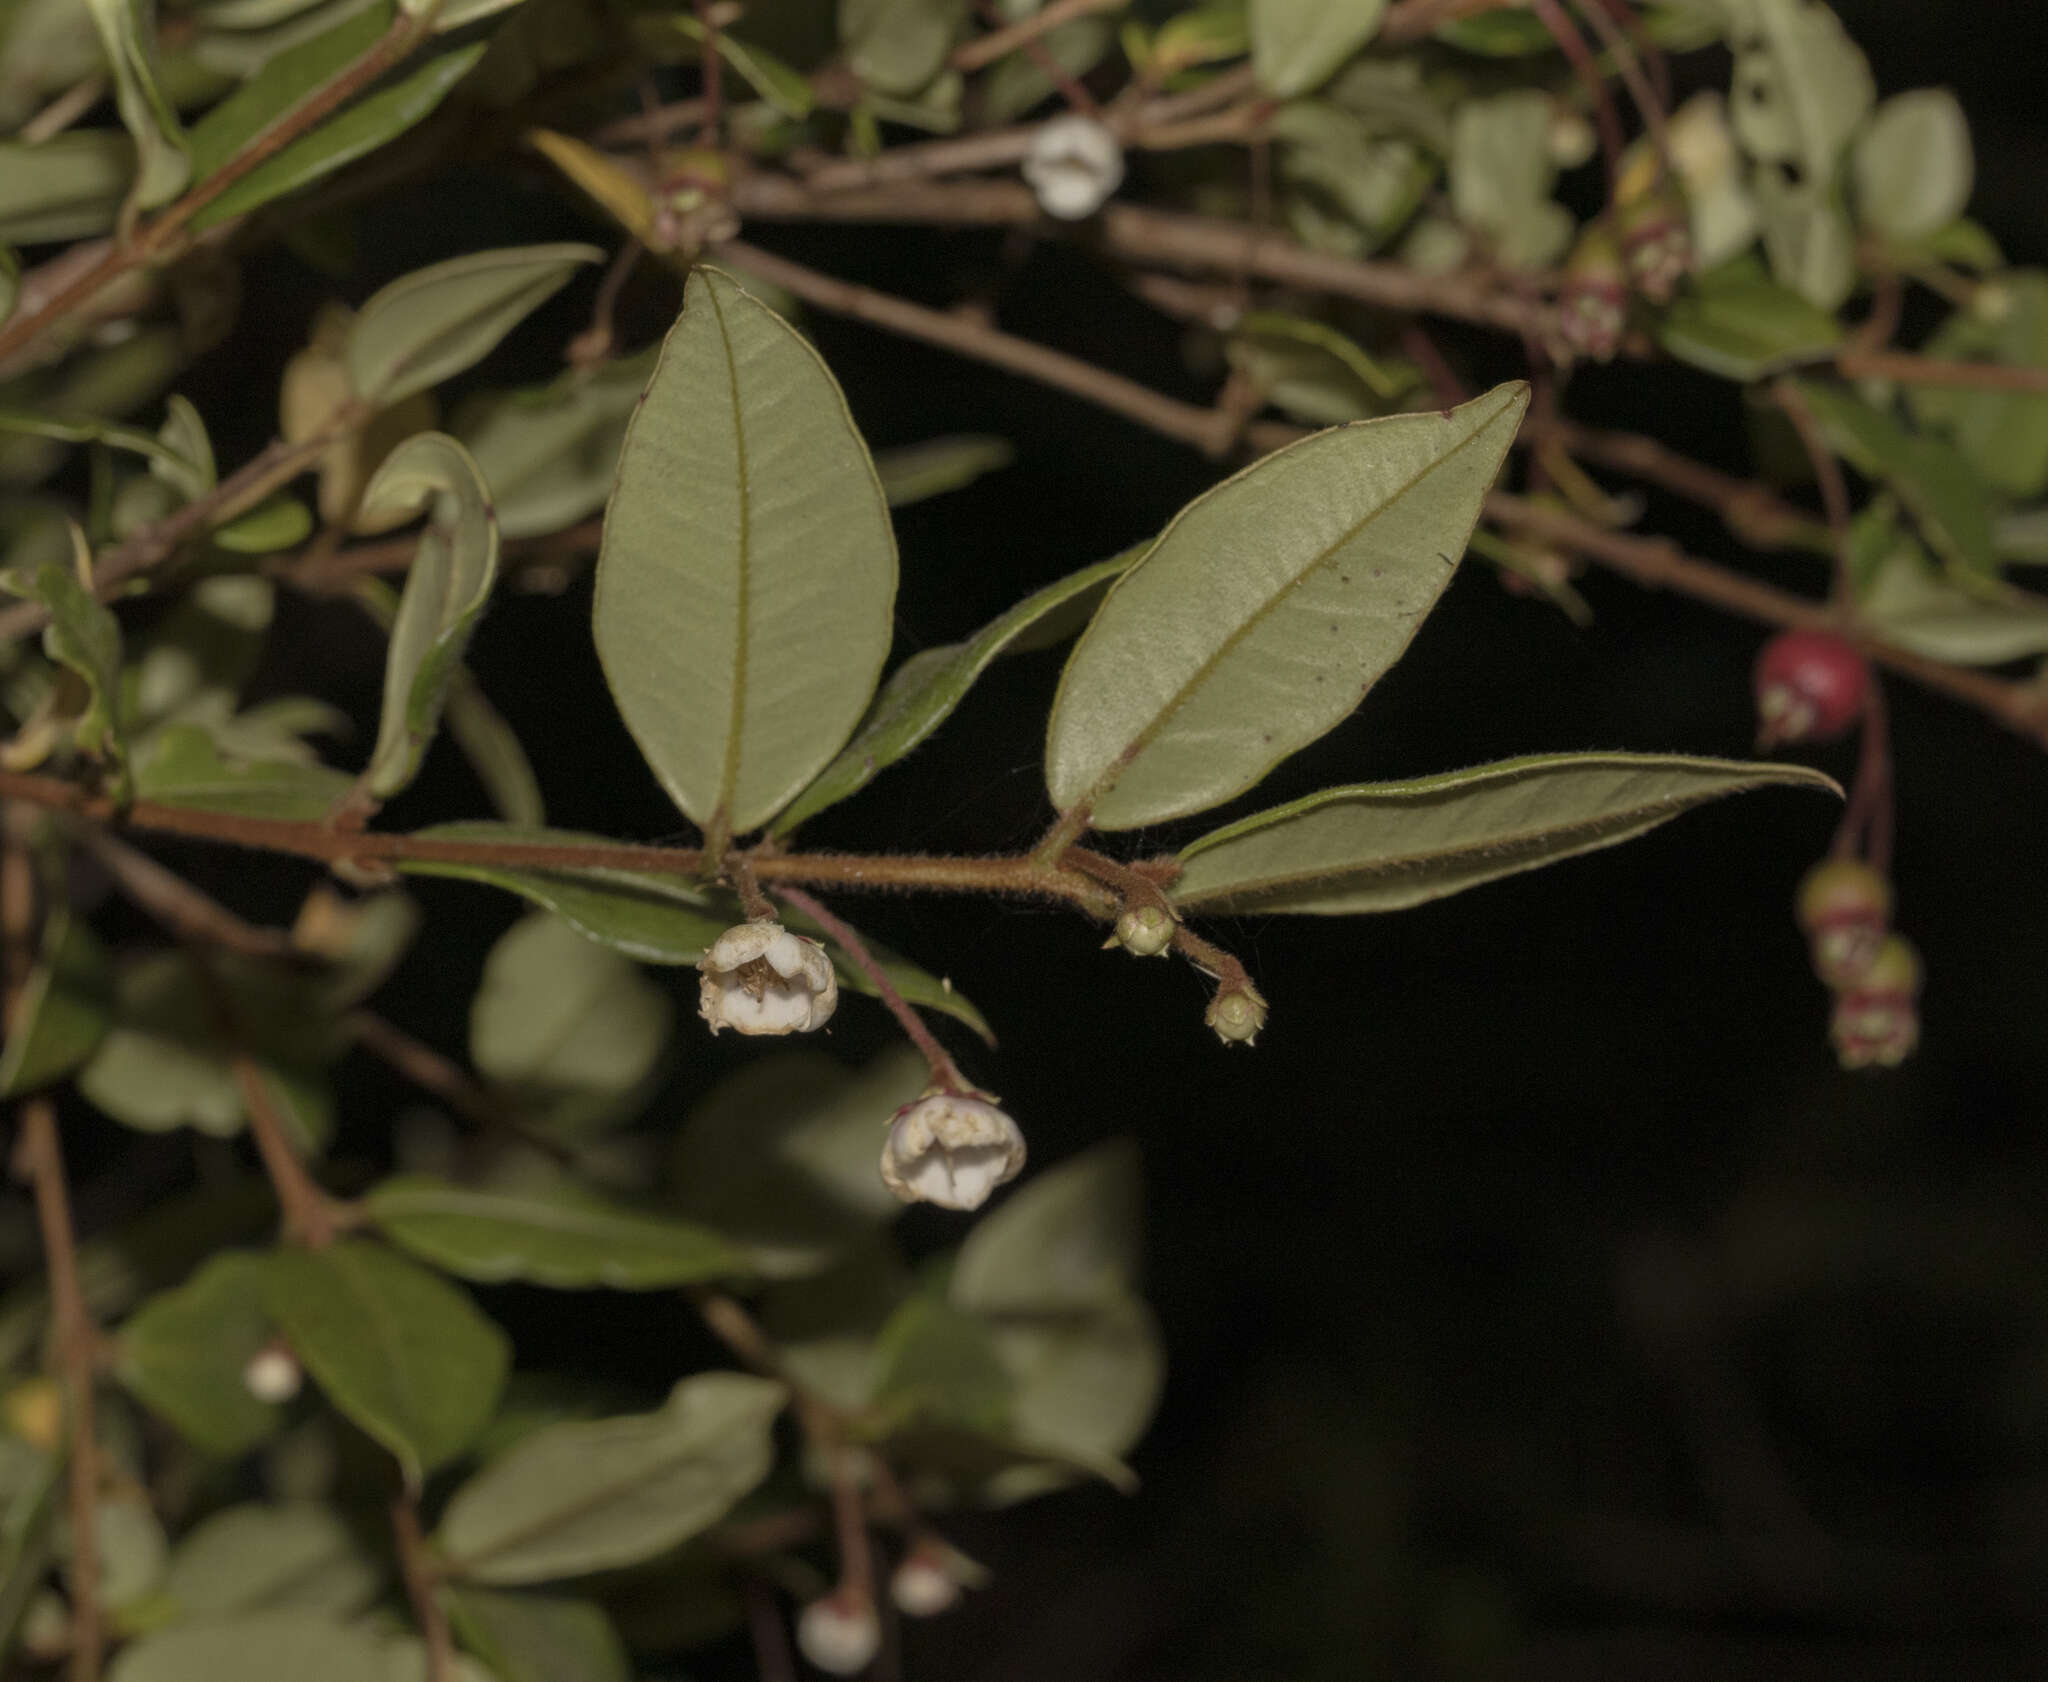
(310, 1218)
(426, 1068)
(1580, 56)
(1827, 473)
(984, 50)
(177, 904)
(416, 1566)
(1922, 370)
(946, 1073)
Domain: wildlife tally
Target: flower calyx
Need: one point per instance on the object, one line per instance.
(952, 1149)
(758, 978)
(1810, 686)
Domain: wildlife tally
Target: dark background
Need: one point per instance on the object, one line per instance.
(1540, 1298)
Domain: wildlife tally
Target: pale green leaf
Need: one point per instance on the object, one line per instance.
(372, 121)
(277, 522)
(1808, 239)
(1297, 45)
(450, 579)
(1083, 1390)
(1962, 620)
(748, 575)
(1357, 187)
(304, 1646)
(897, 46)
(184, 767)
(568, 1029)
(84, 635)
(182, 1354)
(272, 1555)
(10, 281)
(403, 1354)
(787, 91)
(1801, 87)
(128, 34)
(539, 1637)
(494, 751)
(96, 429)
(406, 1658)
(925, 689)
(550, 453)
(1502, 32)
(1385, 846)
(1913, 165)
(2004, 433)
(1266, 611)
(824, 1324)
(1311, 372)
(69, 186)
(594, 1496)
(937, 1364)
(1738, 325)
(62, 1013)
(132, 1549)
(31, 1486)
(1067, 1241)
(562, 1237)
(430, 325)
(1020, 81)
(190, 467)
(915, 472)
(1502, 173)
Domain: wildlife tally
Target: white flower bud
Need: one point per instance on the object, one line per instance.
(839, 1633)
(921, 1586)
(1145, 931)
(1074, 165)
(1238, 1015)
(761, 979)
(273, 1374)
(950, 1150)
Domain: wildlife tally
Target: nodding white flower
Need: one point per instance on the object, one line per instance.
(1074, 165)
(761, 979)
(950, 1150)
(921, 1585)
(839, 1633)
(273, 1374)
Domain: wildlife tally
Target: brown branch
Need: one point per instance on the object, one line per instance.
(177, 904)
(416, 1566)
(426, 1068)
(986, 49)
(1922, 370)
(1827, 473)
(310, 1217)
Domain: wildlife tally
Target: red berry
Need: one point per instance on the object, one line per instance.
(1810, 686)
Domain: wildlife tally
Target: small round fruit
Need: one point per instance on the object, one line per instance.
(1845, 909)
(1811, 686)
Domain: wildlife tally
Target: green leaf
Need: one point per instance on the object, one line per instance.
(262, 1556)
(1740, 326)
(305, 1646)
(95, 429)
(787, 91)
(937, 1364)
(1266, 610)
(1502, 173)
(360, 129)
(925, 689)
(1312, 372)
(594, 1496)
(1930, 477)
(405, 1656)
(538, 1637)
(84, 636)
(550, 453)
(567, 1028)
(63, 1011)
(69, 186)
(1082, 1389)
(655, 919)
(446, 587)
(897, 46)
(1959, 618)
(1808, 239)
(30, 1498)
(128, 36)
(1500, 33)
(400, 1352)
(2004, 433)
(184, 767)
(430, 325)
(1019, 81)
(915, 472)
(182, 1354)
(1067, 1241)
(1385, 846)
(1801, 87)
(1913, 165)
(190, 467)
(1298, 45)
(918, 986)
(748, 575)
(277, 522)
(562, 1237)
(494, 751)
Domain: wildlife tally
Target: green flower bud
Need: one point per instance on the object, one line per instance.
(1237, 1015)
(1145, 931)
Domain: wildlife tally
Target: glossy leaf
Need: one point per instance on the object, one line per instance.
(69, 186)
(305, 1646)
(269, 1555)
(1266, 610)
(1384, 846)
(1066, 1241)
(430, 325)
(561, 1237)
(1929, 476)
(184, 767)
(658, 919)
(897, 46)
(182, 1353)
(402, 1353)
(564, 1026)
(538, 1637)
(63, 1011)
(356, 131)
(450, 579)
(925, 689)
(594, 1496)
(1913, 165)
(1739, 325)
(914, 472)
(128, 38)
(748, 575)
(1297, 45)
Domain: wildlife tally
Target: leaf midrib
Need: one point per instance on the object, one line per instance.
(729, 772)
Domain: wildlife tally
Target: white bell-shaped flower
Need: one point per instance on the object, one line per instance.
(950, 1150)
(273, 1374)
(839, 1633)
(1074, 165)
(758, 978)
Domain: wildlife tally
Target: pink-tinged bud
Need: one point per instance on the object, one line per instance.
(1810, 686)
(1592, 309)
(840, 1634)
(1877, 1020)
(1845, 910)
